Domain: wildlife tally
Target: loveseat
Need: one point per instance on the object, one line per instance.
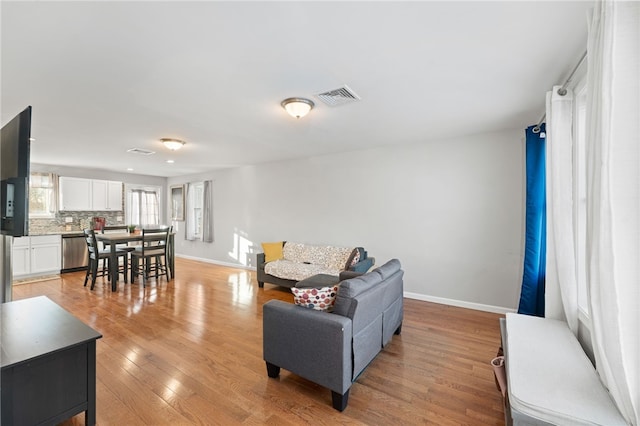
(332, 349)
(285, 263)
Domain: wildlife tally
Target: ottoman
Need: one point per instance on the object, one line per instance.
(317, 281)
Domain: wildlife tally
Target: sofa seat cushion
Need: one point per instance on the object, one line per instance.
(331, 257)
(296, 271)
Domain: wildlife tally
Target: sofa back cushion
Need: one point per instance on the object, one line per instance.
(346, 301)
(295, 252)
(388, 269)
(330, 257)
(357, 285)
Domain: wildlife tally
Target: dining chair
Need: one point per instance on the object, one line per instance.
(150, 258)
(95, 255)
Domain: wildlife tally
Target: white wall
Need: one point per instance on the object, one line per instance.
(452, 211)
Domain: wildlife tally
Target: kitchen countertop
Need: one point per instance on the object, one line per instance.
(63, 233)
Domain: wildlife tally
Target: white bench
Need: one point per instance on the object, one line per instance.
(550, 380)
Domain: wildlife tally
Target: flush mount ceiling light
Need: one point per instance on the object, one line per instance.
(172, 144)
(297, 107)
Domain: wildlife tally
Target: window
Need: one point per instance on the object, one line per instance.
(195, 194)
(177, 202)
(42, 195)
(142, 205)
(580, 195)
(199, 211)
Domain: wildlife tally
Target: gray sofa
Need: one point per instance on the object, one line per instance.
(332, 349)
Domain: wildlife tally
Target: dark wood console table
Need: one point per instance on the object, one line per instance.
(48, 360)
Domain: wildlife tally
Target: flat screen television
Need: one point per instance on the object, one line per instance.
(14, 175)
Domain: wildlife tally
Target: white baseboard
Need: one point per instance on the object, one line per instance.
(216, 262)
(458, 303)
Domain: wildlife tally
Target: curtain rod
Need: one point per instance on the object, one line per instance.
(562, 90)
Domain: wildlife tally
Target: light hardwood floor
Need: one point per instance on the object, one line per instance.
(190, 352)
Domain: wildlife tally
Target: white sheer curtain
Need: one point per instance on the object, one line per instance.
(144, 207)
(561, 289)
(613, 198)
(189, 219)
(207, 212)
(199, 212)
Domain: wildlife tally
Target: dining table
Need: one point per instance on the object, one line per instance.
(113, 238)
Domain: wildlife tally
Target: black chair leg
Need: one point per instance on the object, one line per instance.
(145, 271)
(86, 276)
(134, 268)
(146, 267)
(156, 265)
(94, 273)
(165, 268)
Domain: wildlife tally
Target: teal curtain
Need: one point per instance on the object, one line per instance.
(533, 279)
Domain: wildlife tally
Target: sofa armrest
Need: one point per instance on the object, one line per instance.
(364, 265)
(313, 344)
(260, 260)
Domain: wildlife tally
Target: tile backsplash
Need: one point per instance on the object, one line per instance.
(79, 220)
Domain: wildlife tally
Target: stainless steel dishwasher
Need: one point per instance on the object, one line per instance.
(75, 256)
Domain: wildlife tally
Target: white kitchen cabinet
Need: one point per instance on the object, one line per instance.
(74, 193)
(78, 194)
(37, 255)
(114, 196)
(106, 195)
(99, 195)
(21, 256)
(46, 253)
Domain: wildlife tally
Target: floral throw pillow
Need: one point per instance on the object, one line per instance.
(320, 299)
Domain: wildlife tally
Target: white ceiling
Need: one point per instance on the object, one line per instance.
(104, 77)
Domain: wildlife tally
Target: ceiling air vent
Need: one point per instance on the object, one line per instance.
(340, 96)
(140, 151)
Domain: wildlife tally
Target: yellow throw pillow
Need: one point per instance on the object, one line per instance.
(272, 251)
